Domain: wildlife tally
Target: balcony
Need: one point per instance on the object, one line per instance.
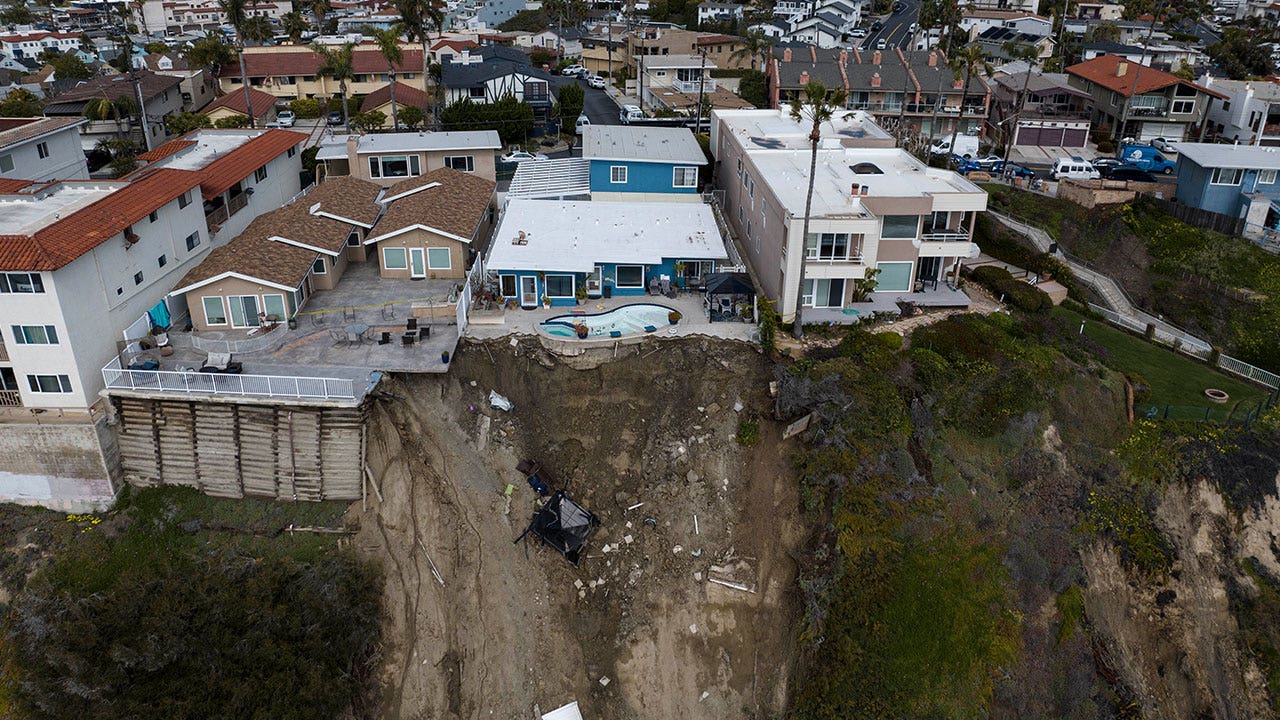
(1271, 129)
(690, 87)
(946, 244)
(870, 106)
(10, 398)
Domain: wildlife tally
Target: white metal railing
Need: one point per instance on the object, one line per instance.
(249, 344)
(198, 383)
(473, 283)
(1195, 350)
(945, 237)
(690, 87)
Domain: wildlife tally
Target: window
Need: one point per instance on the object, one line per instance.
(244, 310)
(21, 283)
(214, 312)
(273, 306)
(1114, 98)
(823, 293)
(893, 277)
(618, 174)
(193, 240)
(746, 178)
(154, 216)
(35, 334)
(162, 260)
(751, 188)
(395, 259)
(559, 286)
(476, 92)
(292, 151)
(394, 166)
(1226, 176)
(1185, 91)
(684, 177)
(1266, 177)
(739, 167)
(42, 149)
(137, 278)
(630, 276)
(1183, 107)
(6, 163)
(507, 285)
(353, 238)
(465, 163)
(184, 199)
(764, 213)
(49, 383)
(318, 268)
(438, 258)
(827, 246)
(260, 174)
(900, 226)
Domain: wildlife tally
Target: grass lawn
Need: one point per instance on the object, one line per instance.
(1175, 379)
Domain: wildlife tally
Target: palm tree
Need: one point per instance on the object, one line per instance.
(819, 105)
(967, 60)
(319, 9)
(419, 18)
(293, 25)
(105, 108)
(1031, 56)
(388, 42)
(753, 45)
(339, 65)
(238, 14)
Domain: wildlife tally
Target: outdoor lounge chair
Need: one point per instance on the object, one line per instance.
(385, 339)
(221, 363)
(408, 338)
(337, 335)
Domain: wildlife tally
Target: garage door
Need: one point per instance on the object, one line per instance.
(1075, 138)
(1051, 137)
(1168, 131)
(1028, 136)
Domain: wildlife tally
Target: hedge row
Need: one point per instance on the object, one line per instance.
(1015, 292)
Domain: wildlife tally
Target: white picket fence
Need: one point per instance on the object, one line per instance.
(1230, 364)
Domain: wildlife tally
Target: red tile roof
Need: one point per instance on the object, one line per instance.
(12, 185)
(170, 148)
(365, 59)
(1103, 70)
(234, 101)
(405, 95)
(455, 44)
(238, 164)
(61, 242)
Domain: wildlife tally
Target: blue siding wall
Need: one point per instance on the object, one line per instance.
(644, 177)
(1194, 189)
(609, 275)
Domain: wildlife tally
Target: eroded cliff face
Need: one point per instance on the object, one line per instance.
(1174, 642)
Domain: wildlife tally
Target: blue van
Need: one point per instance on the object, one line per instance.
(1146, 157)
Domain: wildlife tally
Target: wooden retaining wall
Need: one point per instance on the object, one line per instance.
(237, 449)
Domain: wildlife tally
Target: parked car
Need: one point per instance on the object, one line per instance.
(597, 82)
(629, 113)
(988, 162)
(966, 146)
(1105, 165)
(1164, 146)
(517, 156)
(914, 27)
(335, 117)
(898, 7)
(881, 44)
(582, 122)
(1146, 157)
(573, 71)
(858, 33)
(877, 25)
(1012, 169)
(1129, 172)
(1074, 167)
(285, 118)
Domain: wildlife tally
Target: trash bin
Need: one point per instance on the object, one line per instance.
(607, 291)
(444, 357)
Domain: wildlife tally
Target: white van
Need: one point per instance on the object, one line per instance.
(629, 113)
(1074, 167)
(582, 122)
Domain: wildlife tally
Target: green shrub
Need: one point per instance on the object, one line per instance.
(889, 340)
(748, 432)
(232, 121)
(768, 325)
(1070, 604)
(306, 108)
(1125, 522)
(1013, 291)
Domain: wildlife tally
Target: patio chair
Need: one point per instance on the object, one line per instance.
(348, 314)
(317, 319)
(654, 288)
(385, 339)
(388, 312)
(353, 338)
(411, 324)
(408, 339)
(337, 335)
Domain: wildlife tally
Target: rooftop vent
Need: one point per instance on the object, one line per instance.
(866, 168)
(768, 143)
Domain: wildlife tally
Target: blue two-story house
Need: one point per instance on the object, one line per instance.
(557, 253)
(1242, 181)
(639, 163)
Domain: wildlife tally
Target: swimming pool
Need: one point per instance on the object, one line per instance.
(625, 320)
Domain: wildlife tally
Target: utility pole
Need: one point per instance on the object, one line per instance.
(1133, 88)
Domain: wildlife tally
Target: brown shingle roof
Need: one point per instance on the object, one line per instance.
(252, 255)
(365, 59)
(63, 241)
(1103, 69)
(234, 101)
(346, 197)
(405, 95)
(115, 86)
(457, 206)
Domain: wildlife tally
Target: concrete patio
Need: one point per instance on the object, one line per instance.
(500, 323)
(944, 296)
(371, 298)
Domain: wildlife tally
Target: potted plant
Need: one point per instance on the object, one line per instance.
(679, 267)
(674, 316)
(581, 293)
(546, 302)
(581, 330)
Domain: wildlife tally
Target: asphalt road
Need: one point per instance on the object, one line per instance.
(896, 27)
(596, 104)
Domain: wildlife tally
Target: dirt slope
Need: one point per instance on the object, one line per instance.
(509, 629)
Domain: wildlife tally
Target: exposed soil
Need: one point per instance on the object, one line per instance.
(646, 634)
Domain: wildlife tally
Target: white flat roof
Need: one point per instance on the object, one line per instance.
(575, 236)
(26, 214)
(775, 130)
(641, 143)
(210, 145)
(1214, 155)
(674, 61)
(901, 175)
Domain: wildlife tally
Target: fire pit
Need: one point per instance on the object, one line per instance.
(1216, 395)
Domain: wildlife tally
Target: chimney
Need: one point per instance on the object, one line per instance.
(353, 148)
(875, 58)
(933, 59)
(957, 84)
(865, 189)
(1122, 67)
(804, 78)
(844, 57)
(875, 80)
(786, 55)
